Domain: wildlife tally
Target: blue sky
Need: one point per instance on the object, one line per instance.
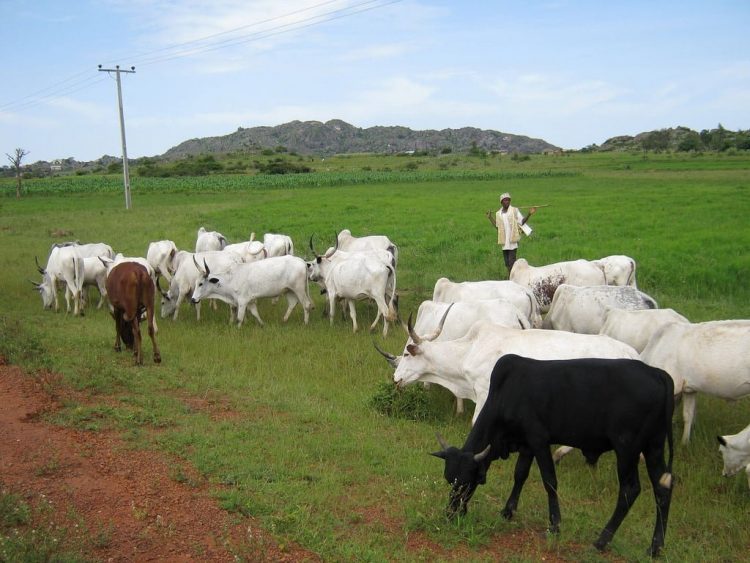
(570, 72)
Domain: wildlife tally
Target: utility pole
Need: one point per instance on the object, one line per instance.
(125, 173)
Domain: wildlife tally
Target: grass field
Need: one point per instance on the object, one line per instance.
(307, 453)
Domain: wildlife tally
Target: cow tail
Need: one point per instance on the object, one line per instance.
(666, 479)
(391, 308)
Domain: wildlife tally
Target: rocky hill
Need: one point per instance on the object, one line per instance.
(339, 137)
(678, 139)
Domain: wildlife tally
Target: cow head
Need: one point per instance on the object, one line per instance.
(46, 291)
(206, 284)
(464, 471)
(735, 450)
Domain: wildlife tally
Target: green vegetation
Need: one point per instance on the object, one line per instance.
(306, 447)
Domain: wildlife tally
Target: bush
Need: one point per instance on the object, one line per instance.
(411, 402)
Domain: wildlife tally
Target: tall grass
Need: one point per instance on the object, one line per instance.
(281, 418)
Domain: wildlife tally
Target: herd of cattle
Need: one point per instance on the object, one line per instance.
(569, 353)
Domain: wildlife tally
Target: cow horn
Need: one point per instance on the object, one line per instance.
(439, 329)
(390, 358)
(198, 266)
(38, 267)
(483, 454)
(35, 284)
(208, 271)
(252, 236)
(312, 248)
(158, 286)
(410, 329)
(441, 441)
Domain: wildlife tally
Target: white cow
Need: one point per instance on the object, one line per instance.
(120, 257)
(464, 365)
(186, 278)
(348, 242)
(618, 269)
(711, 357)
(464, 315)
(447, 291)
(242, 285)
(209, 240)
(735, 450)
(544, 280)
(160, 255)
(64, 266)
(278, 245)
(95, 274)
(250, 250)
(582, 309)
(352, 276)
(637, 327)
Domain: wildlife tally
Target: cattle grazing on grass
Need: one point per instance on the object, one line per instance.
(130, 290)
(242, 285)
(711, 357)
(544, 280)
(582, 309)
(594, 404)
(463, 365)
(735, 450)
(64, 265)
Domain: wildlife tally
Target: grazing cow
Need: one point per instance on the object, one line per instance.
(465, 314)
(64, 265)
(447, 291)
(353, 276)
(209, 240)
(346, 241)
(637, 327)
(186, 278)
(594, 404)
(463, 365)
(735, 450)
(618, 269)
(711, 357)
(130, 290)
(278, 245)
(242, 285)
(160, 255)
(544, 280)
(582, 309)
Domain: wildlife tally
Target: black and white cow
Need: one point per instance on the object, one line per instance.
(593, 404)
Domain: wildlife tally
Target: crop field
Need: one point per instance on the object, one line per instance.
(319, 447)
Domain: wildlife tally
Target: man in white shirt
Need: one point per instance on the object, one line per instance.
(508, 221)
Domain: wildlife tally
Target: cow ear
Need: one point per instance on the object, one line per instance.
(213, 280)
(721, 440)
(413, 349)
(440, 454)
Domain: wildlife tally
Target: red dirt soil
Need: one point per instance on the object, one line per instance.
(124, 497)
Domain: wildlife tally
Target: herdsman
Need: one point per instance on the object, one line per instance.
(508, 221)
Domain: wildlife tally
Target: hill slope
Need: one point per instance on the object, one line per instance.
(337, 137)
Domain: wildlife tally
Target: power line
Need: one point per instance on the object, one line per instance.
(57, 89)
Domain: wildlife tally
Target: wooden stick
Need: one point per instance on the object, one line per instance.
(527, 206)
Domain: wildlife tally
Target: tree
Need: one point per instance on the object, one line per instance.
(16, 160)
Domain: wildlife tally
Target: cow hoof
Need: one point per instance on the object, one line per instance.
(157, 359)
(506, 513)
(554, 529)
(600, 546)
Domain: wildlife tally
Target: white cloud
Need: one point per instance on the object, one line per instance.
(383, 51)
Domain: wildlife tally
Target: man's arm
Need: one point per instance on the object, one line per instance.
(532, 210)
(491, 217)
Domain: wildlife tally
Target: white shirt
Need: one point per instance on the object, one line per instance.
(506, 227)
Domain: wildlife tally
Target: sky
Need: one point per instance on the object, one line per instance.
(573, 73)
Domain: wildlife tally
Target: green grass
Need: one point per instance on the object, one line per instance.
(289, 418)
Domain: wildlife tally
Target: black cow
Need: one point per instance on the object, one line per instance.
(596, 405)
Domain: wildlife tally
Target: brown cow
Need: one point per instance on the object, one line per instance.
(131, 292)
